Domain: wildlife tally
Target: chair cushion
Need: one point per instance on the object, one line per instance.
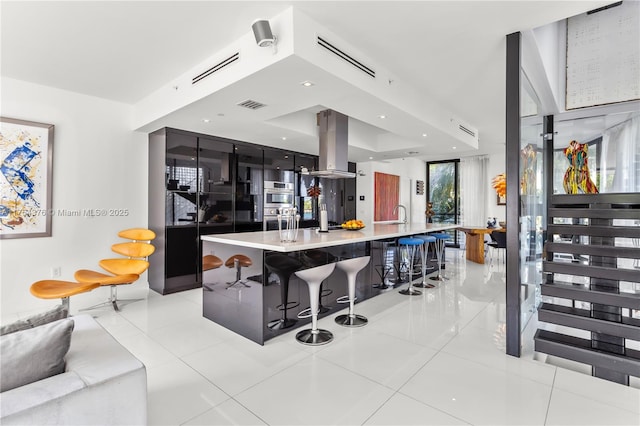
(243, 260)
(134, 249)
(34, 354)
(410, 241)
(124, 266)
(57, 313)
(211, 262)
(442, 236)
(137, 234)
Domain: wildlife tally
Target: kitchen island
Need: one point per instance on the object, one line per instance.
(256, 308)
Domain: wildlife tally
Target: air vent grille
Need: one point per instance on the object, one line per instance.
(345, 57)
(467, 130)
(231, 59)
(251, 104)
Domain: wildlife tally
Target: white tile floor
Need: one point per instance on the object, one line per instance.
(435, 359)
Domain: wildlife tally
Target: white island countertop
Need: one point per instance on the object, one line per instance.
(310, 239)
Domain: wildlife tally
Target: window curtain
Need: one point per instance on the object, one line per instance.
(620, 158)
(474, 181)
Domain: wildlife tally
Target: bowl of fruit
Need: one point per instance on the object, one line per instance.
(353, 225)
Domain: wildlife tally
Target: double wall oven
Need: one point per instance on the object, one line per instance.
(277, 195)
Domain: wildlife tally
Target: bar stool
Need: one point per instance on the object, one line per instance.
(283, 266)
(410, 245)
(385, 270)
(238, 261)
(316, 258)
(441, 238)
(314, 277)
(397, 265)
(428, 239)
(351, 267)
(211, 262)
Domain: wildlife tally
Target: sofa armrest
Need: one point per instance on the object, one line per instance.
(103, 384)
(95, 355)
(36, 394)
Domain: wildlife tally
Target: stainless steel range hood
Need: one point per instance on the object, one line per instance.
(333, 132)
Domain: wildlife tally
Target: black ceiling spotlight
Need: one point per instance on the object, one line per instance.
(262, 32)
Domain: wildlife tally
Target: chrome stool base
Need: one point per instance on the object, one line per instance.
(439, 278)
(424, 285)
(351, 320)
(382, 286)
(282, 323)
(410, 292)
(317, 338)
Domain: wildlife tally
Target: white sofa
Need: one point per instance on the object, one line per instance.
(103, 383)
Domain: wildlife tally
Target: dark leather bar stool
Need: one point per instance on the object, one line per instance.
(238, 261)
(424, 255)
(410, 245)
(351, 267)
(385, 268)
(398, 265)
(283, 266)
(211, 262)
(441, 238)
(314, 277)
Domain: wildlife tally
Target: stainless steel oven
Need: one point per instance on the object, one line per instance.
(277, 195)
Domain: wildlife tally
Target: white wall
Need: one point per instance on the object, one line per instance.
(497, 164)
(98, 162)
(409, 170)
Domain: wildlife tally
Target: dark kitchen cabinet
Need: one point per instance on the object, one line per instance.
(304, 185)
(249, 198)
(278, 165)
(190, 194)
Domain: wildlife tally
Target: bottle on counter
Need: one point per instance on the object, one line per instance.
(324, 223)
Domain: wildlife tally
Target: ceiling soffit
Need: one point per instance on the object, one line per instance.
(344, 79)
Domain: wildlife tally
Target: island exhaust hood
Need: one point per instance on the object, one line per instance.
(333, 131)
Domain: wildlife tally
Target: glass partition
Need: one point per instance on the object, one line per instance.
(532, 204)
(609, 151)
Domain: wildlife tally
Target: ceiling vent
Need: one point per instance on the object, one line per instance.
(467, 130)
(231, 59)
(345, 57)
(251, 104)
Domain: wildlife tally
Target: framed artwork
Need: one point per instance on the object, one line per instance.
(502, 200)
(387, 194)
(26, 160)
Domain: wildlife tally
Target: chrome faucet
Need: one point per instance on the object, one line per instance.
(395, 209)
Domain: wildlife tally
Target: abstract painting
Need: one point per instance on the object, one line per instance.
(387, 193)
(26, 153)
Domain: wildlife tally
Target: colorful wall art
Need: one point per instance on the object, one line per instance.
(577, 178)
(387, 193)
(26, 150)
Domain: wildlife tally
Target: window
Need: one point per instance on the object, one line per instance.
(443, 192)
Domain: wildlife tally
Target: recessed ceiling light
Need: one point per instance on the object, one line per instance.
(382, 116)
(206, 120)
(424, 135)
(307, 83)
(284, 138)
(454, 147)
(286, 156)
(370, 158)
